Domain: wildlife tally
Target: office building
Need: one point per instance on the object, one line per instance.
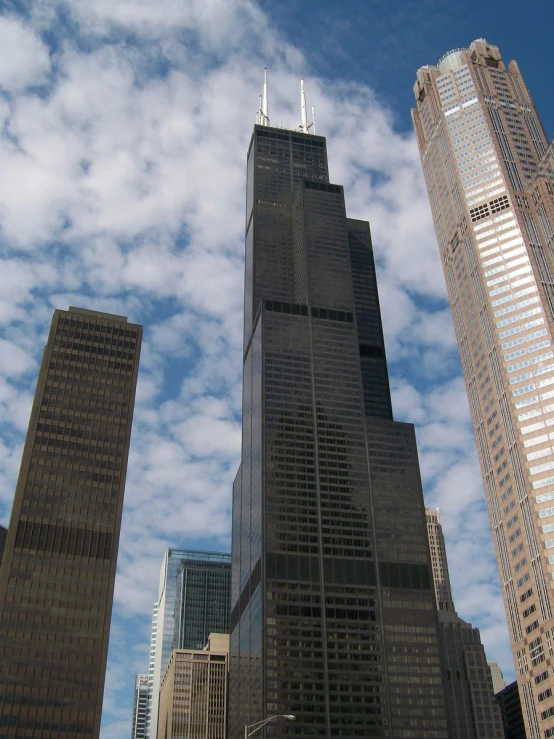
(140, 704)
(193, 697)
(512, 716)
(57, 578)
(151, 671)
(489, 174)
(193, 602)
(439, 563)
(333, 616)
(3, 535)
(472, 710)
(498, 682)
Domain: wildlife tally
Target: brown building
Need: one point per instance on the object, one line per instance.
(472, 710)
(57, 577)
(193, 697)
(490, 177)
(3, 535)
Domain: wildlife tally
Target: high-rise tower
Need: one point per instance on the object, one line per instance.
(490, 177)
(193, 602)
(140, 708)
(472, 710)
(57, 578)
(333, 616)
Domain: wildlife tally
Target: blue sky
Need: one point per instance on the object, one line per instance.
(123, 136)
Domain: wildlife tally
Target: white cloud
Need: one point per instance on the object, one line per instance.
(24, 58)
(122, 189)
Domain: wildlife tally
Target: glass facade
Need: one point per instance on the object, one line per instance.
(333, 616)
(193, 602)
(57, 579)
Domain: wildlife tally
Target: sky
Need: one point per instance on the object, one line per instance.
(124, 128)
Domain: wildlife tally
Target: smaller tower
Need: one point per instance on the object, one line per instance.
(193, 602)
(193, 697)
(140, 706)
(471, 708)
(437, 546)
(498, 682)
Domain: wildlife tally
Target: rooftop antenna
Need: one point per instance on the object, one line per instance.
(262, 118)
(305, 126)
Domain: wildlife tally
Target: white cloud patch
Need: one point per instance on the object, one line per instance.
(123, 174)
(24, 58)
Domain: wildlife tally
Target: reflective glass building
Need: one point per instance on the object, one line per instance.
(57, 577)
(333, 612)
(193, 602)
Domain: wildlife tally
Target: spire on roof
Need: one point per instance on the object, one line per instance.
(304, 125)
(262, 119)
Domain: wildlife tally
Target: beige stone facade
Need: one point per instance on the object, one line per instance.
(193, 696)
(441, 578)
(490, 178)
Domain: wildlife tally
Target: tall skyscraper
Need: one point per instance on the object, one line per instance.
(140, 706)
(193, 602)
(333, 614)
(490, 177)
(57, 579)
(472, 710)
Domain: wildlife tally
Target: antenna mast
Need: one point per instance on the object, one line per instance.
(305, 126)
(262, 118)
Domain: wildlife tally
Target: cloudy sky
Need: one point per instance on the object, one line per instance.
(123, 134)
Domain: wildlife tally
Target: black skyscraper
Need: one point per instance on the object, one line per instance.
(333, 615)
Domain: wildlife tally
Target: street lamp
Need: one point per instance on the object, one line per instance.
(260, 724)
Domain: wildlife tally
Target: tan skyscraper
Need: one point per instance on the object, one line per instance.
(490, 177)
(57, 577)
(193, 696)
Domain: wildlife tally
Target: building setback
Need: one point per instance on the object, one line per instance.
(193, 602)
(333, 614)
(490, 177)
(472, 710)
(57, 578)
(193, 697)
(140, 707)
